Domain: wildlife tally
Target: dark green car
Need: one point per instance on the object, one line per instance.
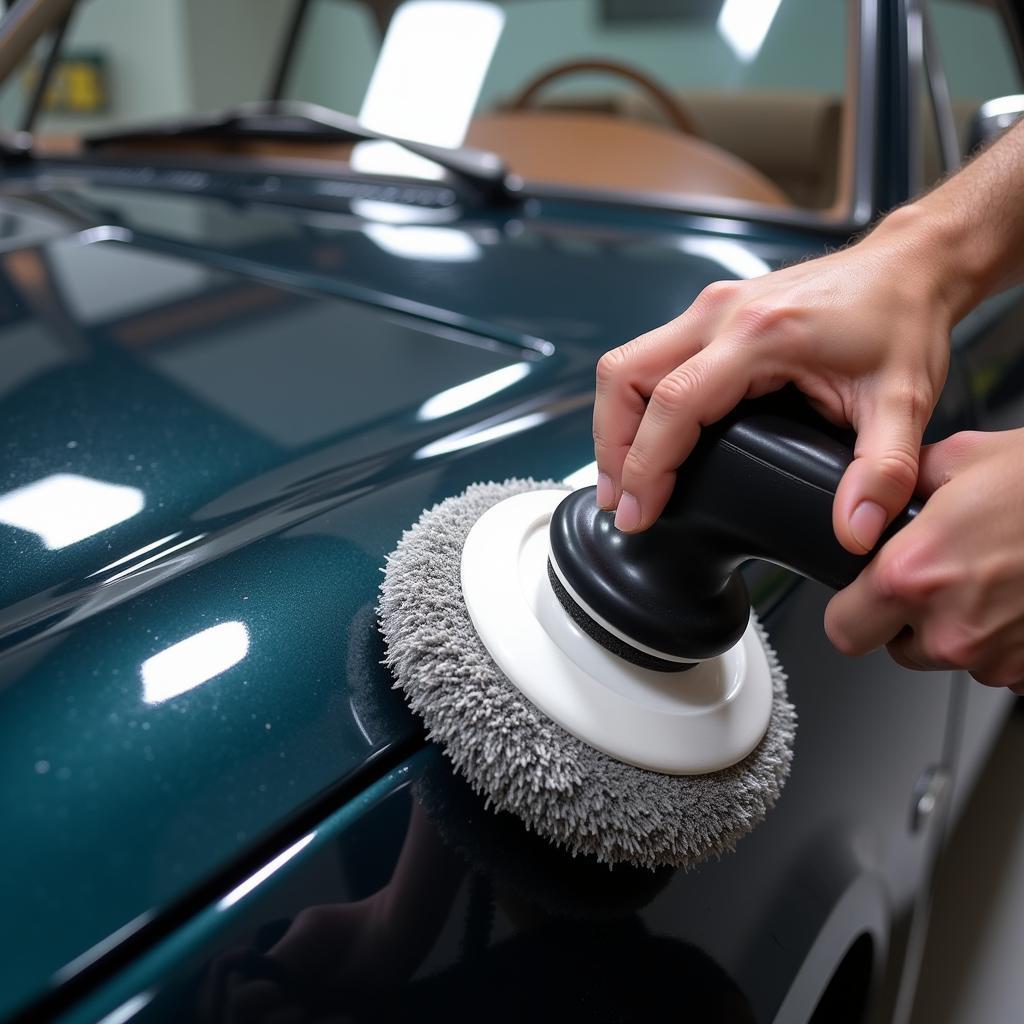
(246, 337)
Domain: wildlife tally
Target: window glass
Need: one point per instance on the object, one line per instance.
(977, 56)
(725, 99)
(761, 81)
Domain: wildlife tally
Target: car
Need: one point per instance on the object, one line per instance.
(248, 331)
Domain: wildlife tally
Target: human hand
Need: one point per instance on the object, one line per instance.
(955, 575)
(863, 333)
(301, 975)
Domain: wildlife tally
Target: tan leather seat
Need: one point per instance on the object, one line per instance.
(602, 151)
(792, 138)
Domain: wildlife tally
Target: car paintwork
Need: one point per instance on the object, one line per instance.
(130, 822)
(280, 482)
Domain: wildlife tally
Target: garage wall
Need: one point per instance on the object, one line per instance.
(146, 54)
(232, 47)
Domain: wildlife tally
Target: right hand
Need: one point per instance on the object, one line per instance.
(863, 333)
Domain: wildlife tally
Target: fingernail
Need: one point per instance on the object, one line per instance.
(867, 523)
(627, 515)
(605, 491)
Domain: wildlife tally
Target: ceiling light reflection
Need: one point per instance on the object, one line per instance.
(65, 508)
(472, 391)
(470, 438)
(733, 256)
(259, 877)
(134, 554)
(128, 1009)
(193, 661)
(431, 67)
(744, 24)
(423, 242)
(398, 213)
(160, 556)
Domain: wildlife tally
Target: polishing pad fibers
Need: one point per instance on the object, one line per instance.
(522, 762)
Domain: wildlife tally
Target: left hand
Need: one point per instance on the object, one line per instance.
(955, 575)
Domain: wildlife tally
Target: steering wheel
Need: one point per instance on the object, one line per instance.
(673, 108)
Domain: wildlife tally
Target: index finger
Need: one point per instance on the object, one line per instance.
(699, 392)
(626, 378)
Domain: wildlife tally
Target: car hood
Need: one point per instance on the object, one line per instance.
(218, 419)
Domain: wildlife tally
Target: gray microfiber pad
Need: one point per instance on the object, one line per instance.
(521, 761)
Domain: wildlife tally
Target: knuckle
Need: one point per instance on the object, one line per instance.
(637, 466)
(918, 398)
(956, 646)
(717, 293)
(894, 577)
(757, 319)
(899, 466)
(961, 444)
(673, 391)
(612, 365)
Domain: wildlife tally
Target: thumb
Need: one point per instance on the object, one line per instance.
(881, 479)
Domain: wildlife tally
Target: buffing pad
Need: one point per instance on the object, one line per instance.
(523, 762)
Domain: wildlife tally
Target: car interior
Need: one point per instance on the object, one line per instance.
(644, 99)
(604, 110)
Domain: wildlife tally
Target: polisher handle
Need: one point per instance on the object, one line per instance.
(771, 479)
(760, 484)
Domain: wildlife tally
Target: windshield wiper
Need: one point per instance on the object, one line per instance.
(284, 119)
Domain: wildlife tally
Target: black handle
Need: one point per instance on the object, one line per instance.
(764, 483)
(760, 484)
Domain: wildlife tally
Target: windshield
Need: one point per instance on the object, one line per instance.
(742, 100)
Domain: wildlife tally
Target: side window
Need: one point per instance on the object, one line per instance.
(977, 54)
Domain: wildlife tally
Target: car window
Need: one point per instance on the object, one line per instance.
(741, 98)
(977, 55)
(726, 99)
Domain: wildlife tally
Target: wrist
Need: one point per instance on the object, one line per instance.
(925, 240)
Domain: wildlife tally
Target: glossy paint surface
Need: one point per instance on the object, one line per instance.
(421, 903)
(212, 438)
(223, 395)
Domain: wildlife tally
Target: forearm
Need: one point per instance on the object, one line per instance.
(966, 237)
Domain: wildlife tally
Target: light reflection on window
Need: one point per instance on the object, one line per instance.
(462, 396)
(65, 508)
(427, 80)
(743, 24)
(193, 661)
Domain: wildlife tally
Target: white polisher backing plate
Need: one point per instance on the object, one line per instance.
(688, 723)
